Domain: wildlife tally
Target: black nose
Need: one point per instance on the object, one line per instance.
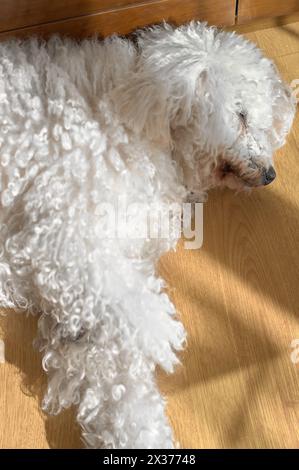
(269, 175)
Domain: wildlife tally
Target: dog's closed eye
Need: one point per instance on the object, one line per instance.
(243, 118)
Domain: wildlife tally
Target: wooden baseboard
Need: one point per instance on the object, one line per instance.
(263, 23)
(124, 20)
(249, 10)
(17, 14)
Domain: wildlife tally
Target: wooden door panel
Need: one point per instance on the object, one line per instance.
(250, 9)
(124, 20)
(20, 13)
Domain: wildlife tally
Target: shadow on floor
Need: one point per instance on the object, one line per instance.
(18, 328)
(256, 238)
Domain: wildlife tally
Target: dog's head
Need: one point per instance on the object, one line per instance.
(242, 113)
(215, 98)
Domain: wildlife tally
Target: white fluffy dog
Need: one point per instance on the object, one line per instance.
(170, 114)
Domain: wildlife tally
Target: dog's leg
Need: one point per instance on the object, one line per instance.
(106, 373)
(107, 370)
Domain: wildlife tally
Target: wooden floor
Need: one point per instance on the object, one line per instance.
(239, 299)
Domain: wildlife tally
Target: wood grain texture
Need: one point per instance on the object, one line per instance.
(286, 35)
(264, 23)
(124, 20)
(252, 9)
(238, 297)
(21, 13)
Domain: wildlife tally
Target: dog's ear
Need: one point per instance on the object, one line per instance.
(284, 106)
(167, 80)
(153, 104)
(142, 105)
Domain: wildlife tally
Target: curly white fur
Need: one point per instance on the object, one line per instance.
(87, 123)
